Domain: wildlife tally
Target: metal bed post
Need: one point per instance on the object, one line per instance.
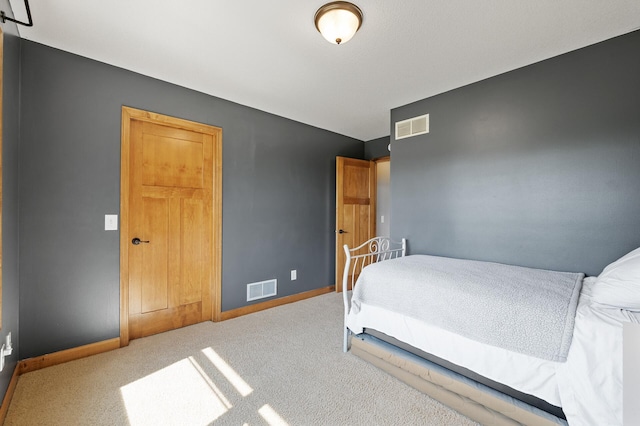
(345, 297)
(378, 249)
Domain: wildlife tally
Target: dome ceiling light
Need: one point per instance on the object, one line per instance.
(338, 21)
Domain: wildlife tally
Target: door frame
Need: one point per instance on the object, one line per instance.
(129, 114)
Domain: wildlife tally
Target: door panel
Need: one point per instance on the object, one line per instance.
(171, 161)
(355, 207)
(191, 272)
(168, 280)
(155, 254)
(357, 185)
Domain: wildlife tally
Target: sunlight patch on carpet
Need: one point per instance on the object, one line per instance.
(229, 373)
(271, 417)
(178, 394)
(212, 385)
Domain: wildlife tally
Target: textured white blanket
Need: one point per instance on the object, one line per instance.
(530, 311)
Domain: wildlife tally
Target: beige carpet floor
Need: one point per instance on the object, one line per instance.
(276, 367)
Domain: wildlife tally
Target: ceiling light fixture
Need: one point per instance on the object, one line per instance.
(338, 21)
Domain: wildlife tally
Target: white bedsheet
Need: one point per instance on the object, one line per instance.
(588, 386)
(590, 382)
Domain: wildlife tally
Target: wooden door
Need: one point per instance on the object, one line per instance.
(168, 230)
(355, 207)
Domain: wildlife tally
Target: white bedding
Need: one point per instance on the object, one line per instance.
(588, 386)
(590, 382)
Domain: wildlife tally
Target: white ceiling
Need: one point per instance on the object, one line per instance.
(268, 54)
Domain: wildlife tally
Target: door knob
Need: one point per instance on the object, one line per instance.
(342, 231)
(136, 241)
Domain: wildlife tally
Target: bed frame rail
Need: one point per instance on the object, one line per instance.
(376, 249)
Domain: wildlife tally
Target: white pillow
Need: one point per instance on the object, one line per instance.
(619, 283)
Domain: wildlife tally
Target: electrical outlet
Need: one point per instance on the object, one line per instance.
(2, 358)
(294, 275)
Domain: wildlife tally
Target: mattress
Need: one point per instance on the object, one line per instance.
(588, 386)
(525, 310)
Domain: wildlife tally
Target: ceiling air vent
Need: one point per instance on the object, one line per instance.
(412, 127)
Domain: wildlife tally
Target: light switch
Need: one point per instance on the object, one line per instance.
(294, 275)
(110, 222)
(382, 219)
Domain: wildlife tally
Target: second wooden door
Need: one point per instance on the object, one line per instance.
(355, 207)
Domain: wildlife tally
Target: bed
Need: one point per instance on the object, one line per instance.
(577, 381)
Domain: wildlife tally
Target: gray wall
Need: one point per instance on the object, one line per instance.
(278, 194)
(10, 137)
(537, 167)
(377, 148)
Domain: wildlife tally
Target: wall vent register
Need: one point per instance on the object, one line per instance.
(412, 127)
(262, 289)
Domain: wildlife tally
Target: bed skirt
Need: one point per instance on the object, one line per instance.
(476, 401)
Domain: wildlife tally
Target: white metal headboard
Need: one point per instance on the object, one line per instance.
(371, 251)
